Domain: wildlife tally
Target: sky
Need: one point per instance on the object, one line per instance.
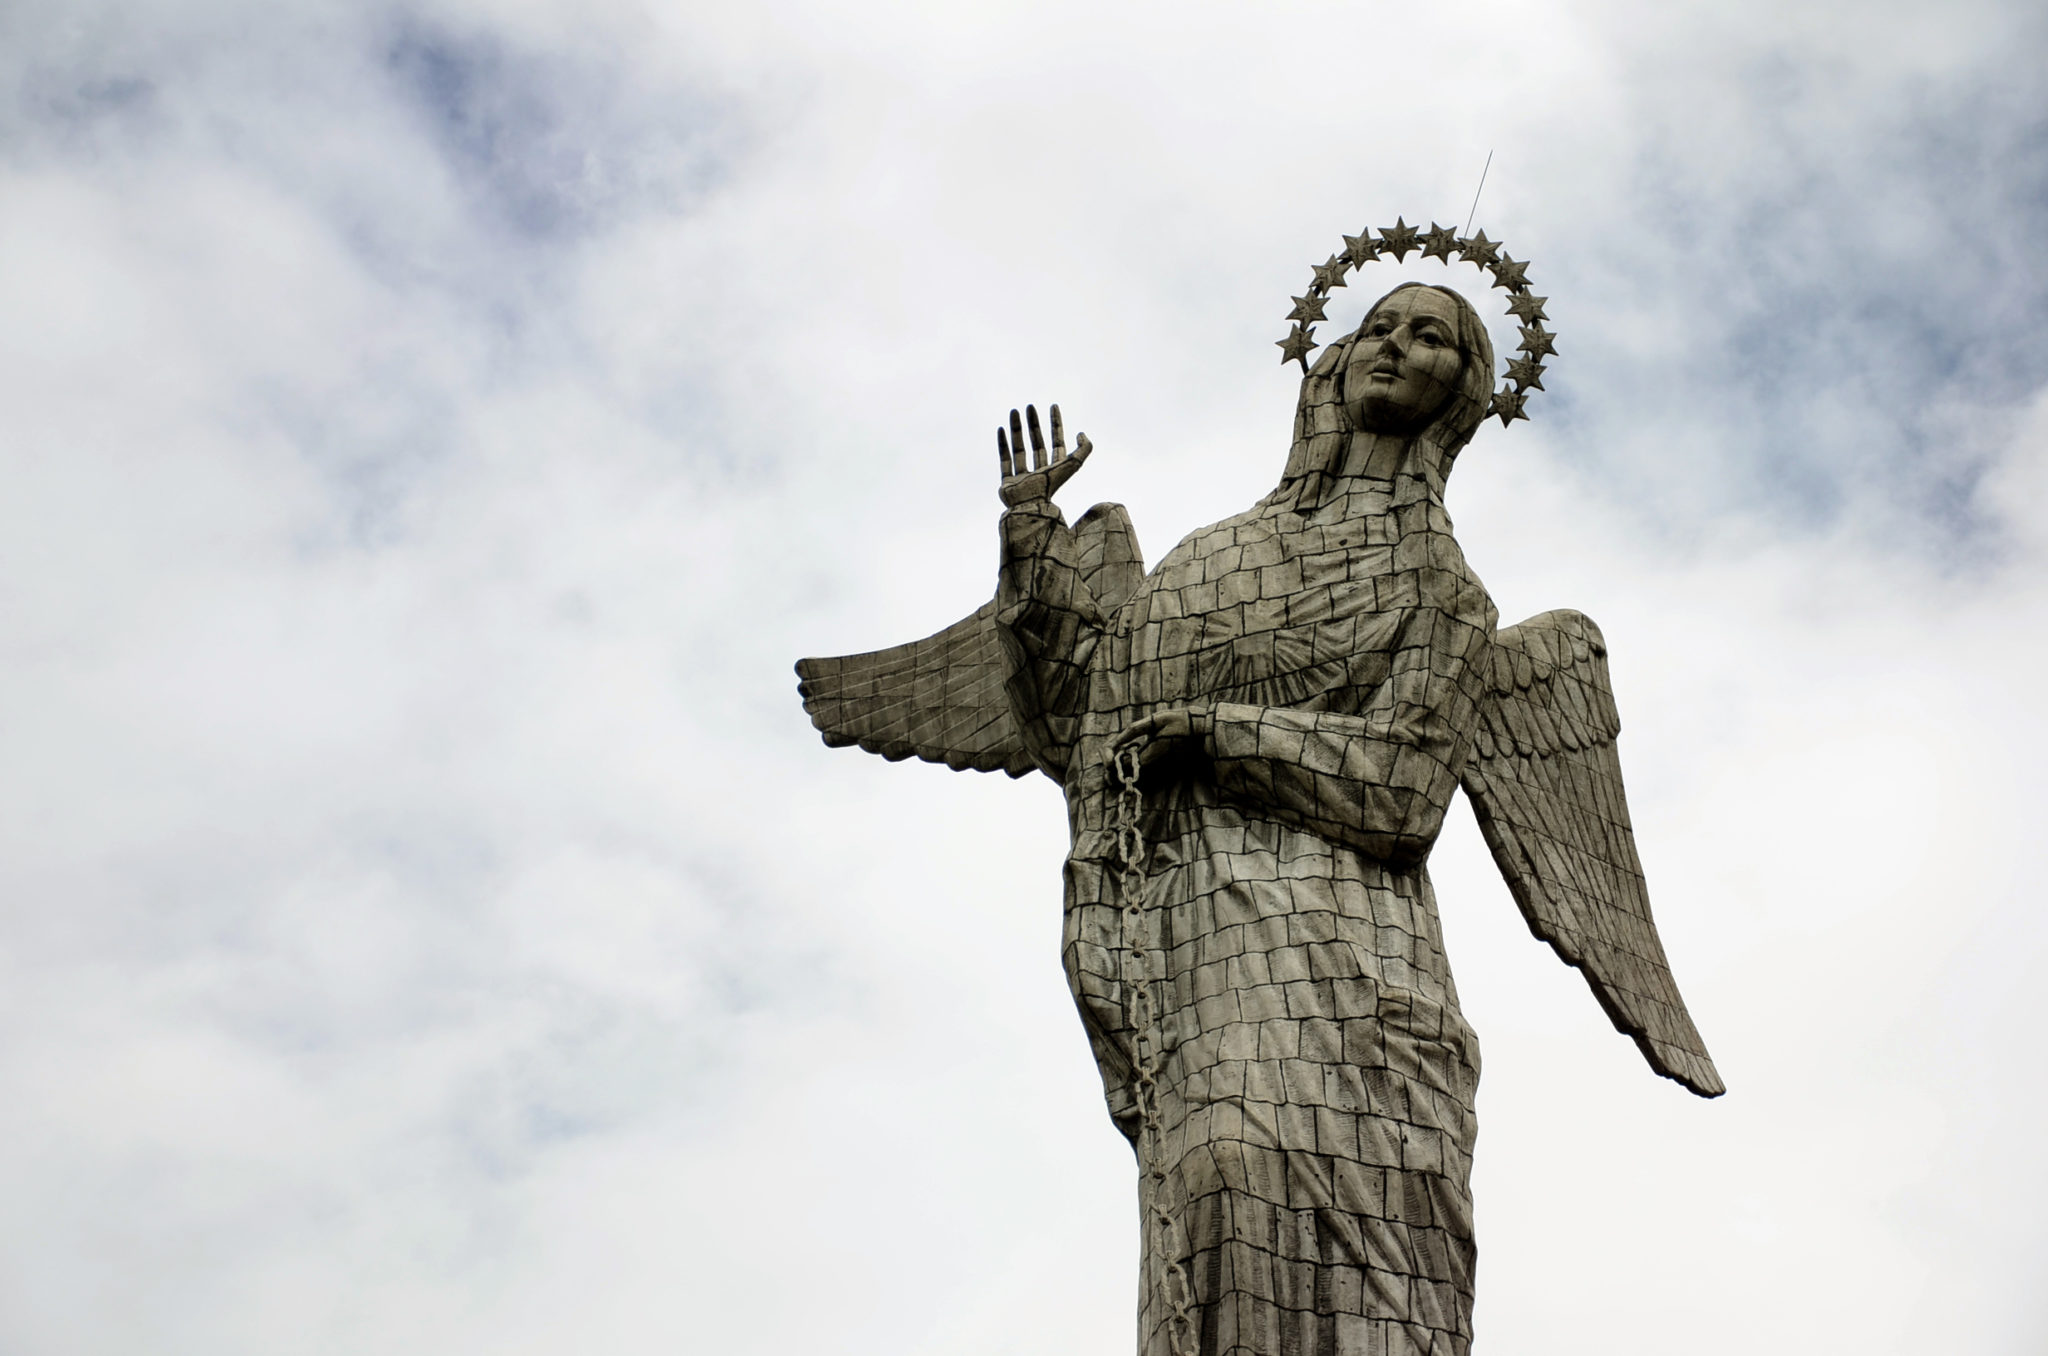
(432, 430)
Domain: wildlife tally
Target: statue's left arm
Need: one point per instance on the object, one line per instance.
(1378, 781)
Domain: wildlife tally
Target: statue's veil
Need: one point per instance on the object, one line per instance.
(1322, 428)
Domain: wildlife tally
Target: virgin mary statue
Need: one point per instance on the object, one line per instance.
(1278, 715)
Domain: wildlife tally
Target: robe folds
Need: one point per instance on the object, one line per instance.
(1316, 1095)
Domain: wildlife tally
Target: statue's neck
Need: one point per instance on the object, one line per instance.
(1380, 456)
(1402, 467)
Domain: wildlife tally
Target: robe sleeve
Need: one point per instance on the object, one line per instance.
(1049, 624)
(1379, 781)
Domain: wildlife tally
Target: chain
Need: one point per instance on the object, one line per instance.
(1147, 1044)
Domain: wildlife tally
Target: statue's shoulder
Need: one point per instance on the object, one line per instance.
(1424, 542)
(1215, 549)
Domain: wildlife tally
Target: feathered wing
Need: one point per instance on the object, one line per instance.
(942, 698)
(1545, 783)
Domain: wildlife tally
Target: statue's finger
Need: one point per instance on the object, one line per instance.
(1059, 436)
(1017, 442)
(1003, 462)
(1037, 438)
(1082, 447)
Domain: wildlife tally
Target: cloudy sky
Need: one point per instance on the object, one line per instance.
(431, 430)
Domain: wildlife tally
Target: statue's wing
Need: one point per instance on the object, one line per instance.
(942, 698)
(1545, 783)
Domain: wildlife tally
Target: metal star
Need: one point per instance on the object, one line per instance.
(1527, 308)
(1361, 247)
(1398, 239)
(1331, 273)
(1508, 405)
(1479, 249)
(1510, 273)
(1438, 242)
(1298, 344)
(1309, 307)
(1536, 340)
(1526, 374)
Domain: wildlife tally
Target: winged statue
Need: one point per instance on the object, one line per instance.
(1258, 740)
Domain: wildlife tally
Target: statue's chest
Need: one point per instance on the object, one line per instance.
(1271, 612)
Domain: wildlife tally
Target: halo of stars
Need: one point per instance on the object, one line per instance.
(1524, 372)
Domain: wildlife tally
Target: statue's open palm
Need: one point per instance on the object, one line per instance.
(1026, 484)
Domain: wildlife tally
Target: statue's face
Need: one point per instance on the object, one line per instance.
(1404, 366)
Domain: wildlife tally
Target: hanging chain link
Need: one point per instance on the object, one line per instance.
(1148, 1047)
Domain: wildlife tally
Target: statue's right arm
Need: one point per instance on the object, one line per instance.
(1045, 613)
(1050, 624)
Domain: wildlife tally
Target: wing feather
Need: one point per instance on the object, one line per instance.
(1544, 778)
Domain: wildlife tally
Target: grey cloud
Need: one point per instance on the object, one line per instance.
(1860, 293)
(552, 147)
(429, 921)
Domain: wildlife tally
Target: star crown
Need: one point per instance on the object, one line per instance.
(1524, 372)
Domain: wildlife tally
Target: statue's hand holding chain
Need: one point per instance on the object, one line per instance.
(1167, 738)
(1029, 484)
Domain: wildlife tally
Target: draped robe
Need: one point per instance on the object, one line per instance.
(1316, 1095)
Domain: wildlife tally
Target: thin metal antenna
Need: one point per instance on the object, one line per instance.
(1475, 195)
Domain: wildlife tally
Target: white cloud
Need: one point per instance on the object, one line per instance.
(432, 432)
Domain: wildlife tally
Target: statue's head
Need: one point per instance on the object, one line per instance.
(1421, 363)
(1407, 389)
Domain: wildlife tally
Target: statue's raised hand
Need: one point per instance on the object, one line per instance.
(1027, 484)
